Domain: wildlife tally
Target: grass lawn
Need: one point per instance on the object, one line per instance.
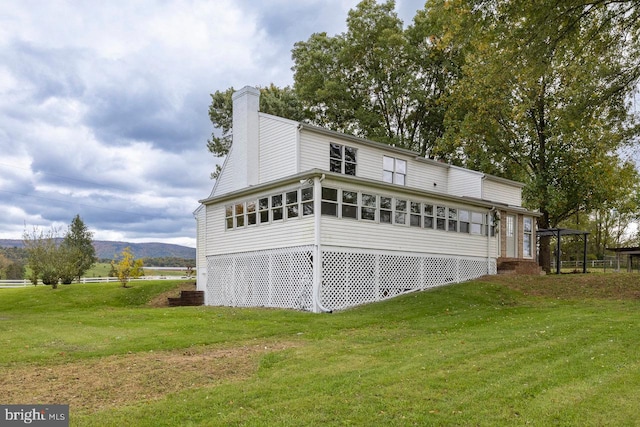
(555, 350)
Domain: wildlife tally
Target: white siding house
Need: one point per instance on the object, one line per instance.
(307, 218)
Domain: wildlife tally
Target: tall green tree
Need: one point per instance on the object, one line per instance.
(274, 100)
(544, 99)
(377, 80)
(77, 251)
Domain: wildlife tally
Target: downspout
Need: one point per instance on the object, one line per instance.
(317, 255)
(490, 220)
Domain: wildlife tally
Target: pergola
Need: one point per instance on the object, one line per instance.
(630, 252)
(558, 233)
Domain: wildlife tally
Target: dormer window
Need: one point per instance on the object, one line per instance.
(342, 159)
(394, 170)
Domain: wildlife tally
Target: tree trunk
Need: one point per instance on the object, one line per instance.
(544, 254)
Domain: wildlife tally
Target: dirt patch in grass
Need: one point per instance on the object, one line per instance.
(616, 286)
(91, 385)
(162, 299)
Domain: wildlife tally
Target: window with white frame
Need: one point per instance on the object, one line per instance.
(329, 205)
(464, 218)
(452, 224)
(400, 216)
(292, 208)
(263, 210)
(369, 205)
(306, 194)
(527, 240)
(386, 206)
(441, 218)
(415, 219)
(350, 204)
(228, 215)
(239, 214)
(394, 170)
(427, 215)
(276, 207)
(342, 159)
(251, 213)
(477, 222)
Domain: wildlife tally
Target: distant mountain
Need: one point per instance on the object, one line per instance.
(108, 249)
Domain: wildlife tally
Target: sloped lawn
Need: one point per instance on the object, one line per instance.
(555, 350)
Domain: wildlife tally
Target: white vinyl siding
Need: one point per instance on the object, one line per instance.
(464, 182)
(371, 235)
(501, 192)
(278, 148)
(427, 175)
(226, 182)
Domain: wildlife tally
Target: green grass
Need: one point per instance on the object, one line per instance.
(477, 353)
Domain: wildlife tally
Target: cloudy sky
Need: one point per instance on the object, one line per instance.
(103, 104)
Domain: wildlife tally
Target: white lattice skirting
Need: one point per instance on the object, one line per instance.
(349, 277)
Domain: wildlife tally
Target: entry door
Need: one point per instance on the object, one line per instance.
(511, 236)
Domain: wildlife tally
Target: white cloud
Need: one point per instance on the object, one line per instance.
(103, 105)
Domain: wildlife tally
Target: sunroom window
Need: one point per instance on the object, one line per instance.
(415, 219)
(307, 201)
(263, 210)
(368, 210)
(386, 209)
(428, 216)
(441, 218)
(251, 213)
(465, 218)
(276, 207)
(350, 204)
(477, 220)
(292, 204)
(329, 204)
(400, 216)
(453, 220)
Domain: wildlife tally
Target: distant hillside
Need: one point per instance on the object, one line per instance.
(108, 249)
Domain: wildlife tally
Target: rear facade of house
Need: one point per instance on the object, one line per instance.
(306, 218)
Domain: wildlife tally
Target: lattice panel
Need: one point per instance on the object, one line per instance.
(273, 278)
(358, 277)
(284, 277)
(348, 279)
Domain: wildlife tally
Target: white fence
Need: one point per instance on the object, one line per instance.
(23, 283)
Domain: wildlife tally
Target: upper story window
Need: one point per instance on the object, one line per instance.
(394, 170)
(342, 159)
